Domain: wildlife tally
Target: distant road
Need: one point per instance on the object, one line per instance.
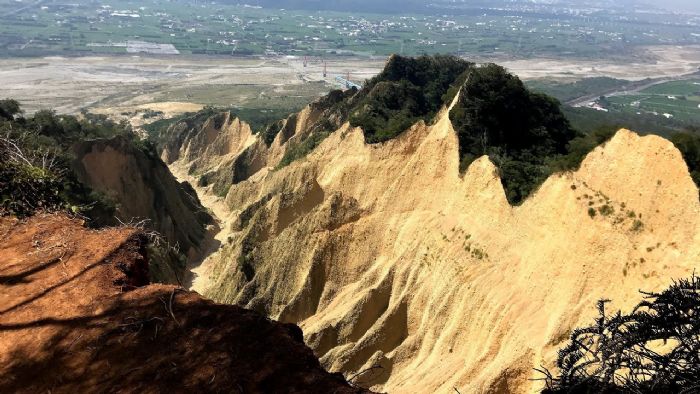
(26, 7)
(632, 87)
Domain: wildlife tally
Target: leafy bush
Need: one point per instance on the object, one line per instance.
(271, 131)
(606, 210)
(35, 162)
(24, 189)
(637, 225)
(591, 212)
(621, 353)
(9, 109)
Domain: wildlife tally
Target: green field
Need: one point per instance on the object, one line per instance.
(679, 99)
(690, 88)
(43, 28)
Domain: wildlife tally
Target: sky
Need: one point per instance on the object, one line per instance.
(690, 5)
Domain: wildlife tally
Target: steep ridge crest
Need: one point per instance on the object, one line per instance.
(385, 255)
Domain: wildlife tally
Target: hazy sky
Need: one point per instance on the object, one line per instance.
(689, 5)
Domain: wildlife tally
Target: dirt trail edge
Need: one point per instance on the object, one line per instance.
(77, 315)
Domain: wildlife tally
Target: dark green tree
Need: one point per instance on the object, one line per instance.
(406, 91)
(521, 131)
(9, 109)
(689, 145)
(620, 353)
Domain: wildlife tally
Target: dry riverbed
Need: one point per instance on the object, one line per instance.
(116, 85)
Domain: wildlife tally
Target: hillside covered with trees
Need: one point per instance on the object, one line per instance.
(524, 133)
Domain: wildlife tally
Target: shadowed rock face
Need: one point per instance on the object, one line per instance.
(387, 256)
(78, 315)
(143, 188)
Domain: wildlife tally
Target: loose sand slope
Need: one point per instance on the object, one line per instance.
(386, 256)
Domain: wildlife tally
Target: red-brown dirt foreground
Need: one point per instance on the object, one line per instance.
(77, 315)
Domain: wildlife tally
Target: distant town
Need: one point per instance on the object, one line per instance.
(30, 27)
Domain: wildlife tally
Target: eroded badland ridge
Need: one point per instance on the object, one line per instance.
(385, 254)
(440, 229)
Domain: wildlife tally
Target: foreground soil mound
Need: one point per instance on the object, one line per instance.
(388, 257)
(77, 315)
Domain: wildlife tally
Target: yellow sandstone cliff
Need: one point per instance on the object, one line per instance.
(386, 256)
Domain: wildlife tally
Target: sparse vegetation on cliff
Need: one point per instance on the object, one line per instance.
(334, 108)
(524, 133)
(267, 122)
(303, 148)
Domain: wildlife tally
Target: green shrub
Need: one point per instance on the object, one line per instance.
(302, 149)
(203, 181)
(637, 226)
(9, 109)
(606, 210)
(25, 189)
(271, 131)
